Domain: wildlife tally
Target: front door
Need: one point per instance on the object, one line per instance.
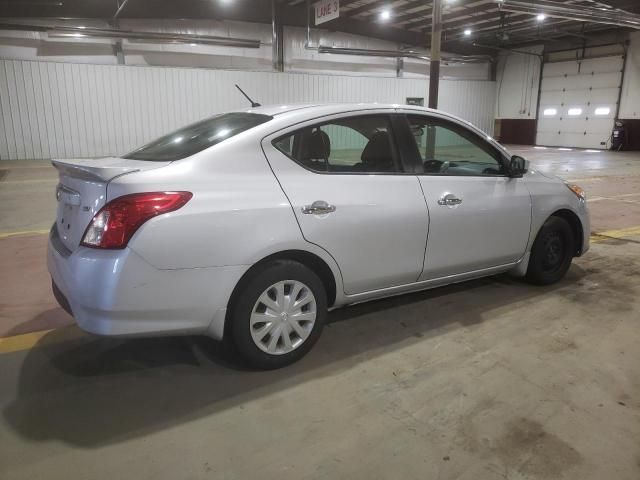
(479, 216)
(351, 197)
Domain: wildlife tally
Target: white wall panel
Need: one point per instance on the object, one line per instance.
(517, 84)
(19, 45)
(58, 110)
(630, 101)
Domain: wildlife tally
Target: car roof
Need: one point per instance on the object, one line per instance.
(319, 109)
(311, 108)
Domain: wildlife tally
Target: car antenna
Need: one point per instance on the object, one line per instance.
(253, 104)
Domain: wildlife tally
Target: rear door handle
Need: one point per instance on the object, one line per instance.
(319, 207)
(449, 200)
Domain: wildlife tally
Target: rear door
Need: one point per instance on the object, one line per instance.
(352, 197)
(479, 216)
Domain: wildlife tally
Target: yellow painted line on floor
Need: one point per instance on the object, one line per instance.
(21, 342)
(27, 341)
(18, 233)
(617, 234)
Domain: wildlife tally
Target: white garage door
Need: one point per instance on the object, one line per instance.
(578, 102)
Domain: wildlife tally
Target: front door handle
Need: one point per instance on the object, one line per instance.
(449, 200)
(319, 207)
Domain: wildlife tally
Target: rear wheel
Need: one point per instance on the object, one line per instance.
(551, 253)
(278, 314)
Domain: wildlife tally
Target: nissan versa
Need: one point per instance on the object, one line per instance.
(251, 225)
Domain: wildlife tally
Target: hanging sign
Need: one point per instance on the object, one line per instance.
(326, 10)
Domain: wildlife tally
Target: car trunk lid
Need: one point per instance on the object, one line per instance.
(82, 191)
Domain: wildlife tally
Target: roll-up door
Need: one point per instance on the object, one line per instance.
(578, 102)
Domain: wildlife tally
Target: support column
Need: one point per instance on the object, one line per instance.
(117, 46)
(277, 48)
(118, 52)
(399, 67)
(434, 66)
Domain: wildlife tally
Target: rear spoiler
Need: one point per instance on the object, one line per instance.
(99, 169)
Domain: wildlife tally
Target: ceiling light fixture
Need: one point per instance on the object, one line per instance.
(467, 32)
(540, 17)
(385, 14)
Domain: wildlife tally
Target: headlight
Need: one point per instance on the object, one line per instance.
(578, 191)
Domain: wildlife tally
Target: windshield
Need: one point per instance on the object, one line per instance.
(197, 136)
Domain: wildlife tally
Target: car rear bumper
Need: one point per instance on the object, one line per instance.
(116, 292)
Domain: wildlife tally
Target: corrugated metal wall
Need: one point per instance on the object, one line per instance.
(64, 110)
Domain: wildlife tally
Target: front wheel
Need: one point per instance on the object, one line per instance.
(278, 314)
(551, 253)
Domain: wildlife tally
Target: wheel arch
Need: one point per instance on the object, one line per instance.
(308, 259)
(576, 226)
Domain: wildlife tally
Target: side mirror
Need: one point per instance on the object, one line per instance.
(518, 166)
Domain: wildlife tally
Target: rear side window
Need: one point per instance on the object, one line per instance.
(197, 136)
(361, 144)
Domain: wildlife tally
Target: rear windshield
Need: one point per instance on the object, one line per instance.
(197, 136)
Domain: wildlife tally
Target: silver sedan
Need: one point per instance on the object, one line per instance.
(251, 225)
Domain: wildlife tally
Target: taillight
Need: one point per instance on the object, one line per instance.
(116, 222)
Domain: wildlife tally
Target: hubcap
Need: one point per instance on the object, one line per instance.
(283, 317)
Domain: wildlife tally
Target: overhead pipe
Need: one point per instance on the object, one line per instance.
(510, 50)
(616, 17)
(81, 32)
(366, 52)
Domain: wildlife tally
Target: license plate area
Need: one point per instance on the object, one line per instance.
(68, 205)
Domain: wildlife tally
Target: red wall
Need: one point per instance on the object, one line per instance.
(632, 141)
(517, 131)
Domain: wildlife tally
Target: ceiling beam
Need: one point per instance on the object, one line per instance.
(510, 18)
(519, 30)
(426, 12)
(491, 32)
(368, 7)
(400, 16)
(461, 18)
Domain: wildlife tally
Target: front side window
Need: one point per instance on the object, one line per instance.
(196, 137)
(449, 149)
(361, 144)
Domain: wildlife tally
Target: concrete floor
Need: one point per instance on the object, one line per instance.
(491, 379)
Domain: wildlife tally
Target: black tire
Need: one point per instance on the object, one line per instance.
(246, 299)
(552, 252)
